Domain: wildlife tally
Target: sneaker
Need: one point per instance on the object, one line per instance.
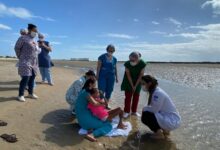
(136, 114)
(126, 115)
(32, 96)
(51, 84)
(43, 82)
(21, 99)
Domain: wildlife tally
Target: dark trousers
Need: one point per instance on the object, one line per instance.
(27, 81)
(131, 102)
(150, 120)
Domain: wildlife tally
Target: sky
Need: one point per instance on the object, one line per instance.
(161, 30)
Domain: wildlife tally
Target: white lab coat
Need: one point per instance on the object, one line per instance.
(164, 109)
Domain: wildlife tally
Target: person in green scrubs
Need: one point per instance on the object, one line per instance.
(131, 84)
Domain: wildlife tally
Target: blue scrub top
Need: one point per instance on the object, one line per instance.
(108, 66)
(44, 57)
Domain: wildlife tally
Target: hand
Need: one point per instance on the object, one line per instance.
(116, 80)
(34, 43)
(133, 88)
(97, 77)
(43, 44)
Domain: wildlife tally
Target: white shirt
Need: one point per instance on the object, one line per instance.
(74, 90)
(164, 109)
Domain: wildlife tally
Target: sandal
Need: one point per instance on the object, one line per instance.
(2, 123)
(9, 138)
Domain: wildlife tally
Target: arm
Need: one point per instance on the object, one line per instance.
(155, 105)
(99, 64)
(94, 102)
(18, 47)
(129, 77)
(139, 78)
(47, 47)
(116, 73)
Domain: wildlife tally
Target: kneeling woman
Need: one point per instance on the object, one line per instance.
(160, 115)
(84, 116)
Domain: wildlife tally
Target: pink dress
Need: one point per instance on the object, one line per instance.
(98, 111)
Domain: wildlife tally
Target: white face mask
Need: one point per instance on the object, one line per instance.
(144, 88)
(133, 63)
(33, 34)
(110, 54)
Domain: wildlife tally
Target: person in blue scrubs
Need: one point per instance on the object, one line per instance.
(107, 73)
(85, 117)
(44, 60)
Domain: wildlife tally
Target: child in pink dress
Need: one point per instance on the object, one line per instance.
(101, 112)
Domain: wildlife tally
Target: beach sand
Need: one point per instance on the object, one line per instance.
(47, 124)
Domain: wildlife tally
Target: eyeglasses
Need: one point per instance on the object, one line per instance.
(111, 51)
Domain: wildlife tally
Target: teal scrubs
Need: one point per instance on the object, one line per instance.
(87, 120)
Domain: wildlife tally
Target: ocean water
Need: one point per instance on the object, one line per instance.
(199, 109)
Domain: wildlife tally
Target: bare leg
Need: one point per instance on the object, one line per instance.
(117, 112)
(91, 138)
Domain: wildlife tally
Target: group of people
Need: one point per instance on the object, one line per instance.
(32, 56)
(91, 104)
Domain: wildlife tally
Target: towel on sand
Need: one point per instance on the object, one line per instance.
(115, 131)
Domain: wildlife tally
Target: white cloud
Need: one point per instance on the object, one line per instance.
(174, 21)
(215, 4)
(59, 36)
(155, 22)
(202, 45)
(117, 35)
(4, 27)
(55, 43)
(158, 32)
(136, 20)
(19, 12)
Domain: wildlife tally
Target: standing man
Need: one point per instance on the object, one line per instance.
(26, 51)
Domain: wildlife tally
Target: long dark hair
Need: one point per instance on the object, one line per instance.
(87, 84)
(154, 84)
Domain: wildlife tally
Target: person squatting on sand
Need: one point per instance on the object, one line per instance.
(160, 114)
(74, 90)
(134, 70)
(26, 50)
(101, 112)
(107, 73)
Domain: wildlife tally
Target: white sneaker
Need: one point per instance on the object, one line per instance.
(32, 96)
(136, 114)
(126, 115)
(21, 99)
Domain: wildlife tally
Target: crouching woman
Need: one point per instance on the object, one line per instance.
(160, 115)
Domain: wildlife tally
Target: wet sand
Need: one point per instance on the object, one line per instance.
(47, 123)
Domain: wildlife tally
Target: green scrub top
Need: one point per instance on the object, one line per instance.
(135, 72)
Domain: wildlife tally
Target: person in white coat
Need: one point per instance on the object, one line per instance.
(160, 114)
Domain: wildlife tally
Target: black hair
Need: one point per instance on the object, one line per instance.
(90, 73)
(87, 84)
(150, 79)
(31, 26)
(93, 91)
(110, 46)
